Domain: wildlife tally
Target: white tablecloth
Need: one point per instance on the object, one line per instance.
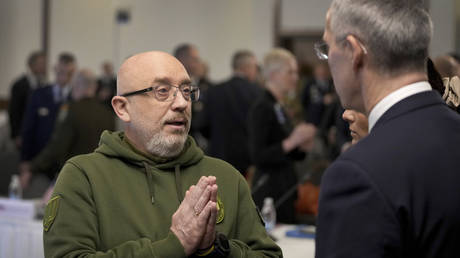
(21, 238)
(293, 247)
(24, 239)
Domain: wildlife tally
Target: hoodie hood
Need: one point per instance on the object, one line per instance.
(114, 144)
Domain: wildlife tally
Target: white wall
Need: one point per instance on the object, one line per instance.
(83, 28)
(301, 15)
(217, 27)
(444, 22)
(20, 30)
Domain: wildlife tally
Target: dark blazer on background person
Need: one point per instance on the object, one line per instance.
(225, 112)
(106, 89)
(275, 174)
(39, 119)
(396, 193)
(20, 91)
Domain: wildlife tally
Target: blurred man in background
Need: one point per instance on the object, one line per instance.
(43, 107)
(107, 84)
(190, 58)
(226, 107)
(78, 129)
(34, 78)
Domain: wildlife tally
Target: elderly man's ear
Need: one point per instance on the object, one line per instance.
(120, 105)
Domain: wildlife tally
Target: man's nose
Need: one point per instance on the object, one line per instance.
(179, 102)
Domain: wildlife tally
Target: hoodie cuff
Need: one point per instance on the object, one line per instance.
(168, 247)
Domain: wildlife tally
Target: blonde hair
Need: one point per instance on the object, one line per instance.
(275, 60)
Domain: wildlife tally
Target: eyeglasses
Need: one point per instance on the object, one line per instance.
(321, 50)
(163, 92)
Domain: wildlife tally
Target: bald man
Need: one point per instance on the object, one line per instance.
(149, 191)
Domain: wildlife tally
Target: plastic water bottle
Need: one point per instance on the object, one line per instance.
(269, 214)
(15, 189)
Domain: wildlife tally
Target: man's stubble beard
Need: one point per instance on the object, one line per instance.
(166, 146)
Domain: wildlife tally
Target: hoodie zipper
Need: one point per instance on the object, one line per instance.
(149, 181)
(178, 183)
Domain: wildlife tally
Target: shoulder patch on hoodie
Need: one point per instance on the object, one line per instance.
(220, 211)
(51, 212)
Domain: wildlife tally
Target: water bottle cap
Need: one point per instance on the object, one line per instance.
(268, 200)
(15, 178)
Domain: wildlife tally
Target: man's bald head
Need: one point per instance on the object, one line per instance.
(156, 126)
(139, 71)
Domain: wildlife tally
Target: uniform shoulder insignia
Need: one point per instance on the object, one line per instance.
(51, 212)
(220, 211)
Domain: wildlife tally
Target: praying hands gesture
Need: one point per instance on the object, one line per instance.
(194, 221)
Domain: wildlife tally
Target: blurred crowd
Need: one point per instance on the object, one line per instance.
(278, 126)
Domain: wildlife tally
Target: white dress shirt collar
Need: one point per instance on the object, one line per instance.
(393, 98)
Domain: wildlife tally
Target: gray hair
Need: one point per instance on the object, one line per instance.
(275, 60)
(396, 33)
(241, 58)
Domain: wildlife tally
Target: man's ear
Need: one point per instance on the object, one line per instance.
(120, 106)
(358, 51)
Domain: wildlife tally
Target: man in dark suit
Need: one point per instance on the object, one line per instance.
(396, 192)
(107, 84)
(34, 78)
(78, 129)
(189, 56)
(43, 106)
(225, 112)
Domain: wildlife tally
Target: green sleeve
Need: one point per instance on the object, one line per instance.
(71, 225)
(253, 240)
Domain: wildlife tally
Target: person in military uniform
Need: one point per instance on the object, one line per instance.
(149, 191)
(79, 126)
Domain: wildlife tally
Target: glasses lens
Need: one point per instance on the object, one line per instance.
(186, 91)
(322, 49)
(162, 92)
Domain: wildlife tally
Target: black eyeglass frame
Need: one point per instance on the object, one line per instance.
(151, 88)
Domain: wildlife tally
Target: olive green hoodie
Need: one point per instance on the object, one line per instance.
(118, 202)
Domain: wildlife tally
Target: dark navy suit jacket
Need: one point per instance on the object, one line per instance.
(397, 192)
(38, 122)
(225, 113)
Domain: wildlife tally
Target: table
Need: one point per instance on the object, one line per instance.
(21, 238)
(293, 247)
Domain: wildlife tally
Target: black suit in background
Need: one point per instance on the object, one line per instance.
(396, 193)
(225, 112)
(275, 173)
(20, 91)
(39, 119)
(106, 89)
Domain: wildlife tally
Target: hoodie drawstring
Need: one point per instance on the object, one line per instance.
(149, 181)
(178, 183)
